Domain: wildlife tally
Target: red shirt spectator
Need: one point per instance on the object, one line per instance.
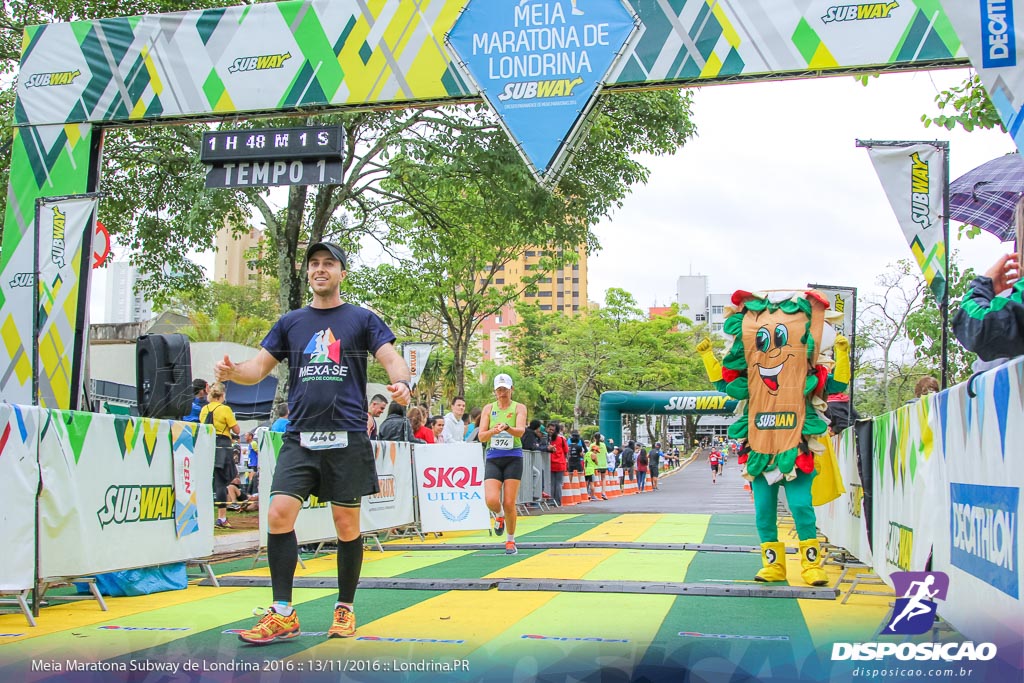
(559, 454)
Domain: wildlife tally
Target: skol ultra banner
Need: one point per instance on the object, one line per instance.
(108, 498)
(988, 30)
(913, 177)
(64, 229)
(450, 480)
(19, 480)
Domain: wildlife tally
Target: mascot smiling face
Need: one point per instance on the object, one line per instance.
(776, 350)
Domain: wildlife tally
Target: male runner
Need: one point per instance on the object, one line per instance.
(502, 425)
(326, 450)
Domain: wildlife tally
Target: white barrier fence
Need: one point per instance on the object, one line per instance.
(393, 506)
(947, 473)
(19, 478)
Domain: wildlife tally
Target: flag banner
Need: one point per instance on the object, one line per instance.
(912, 177)
(416, 356)
(19, 481)
(450, 479)
(186, 498)
(63, 228)
(988, 33)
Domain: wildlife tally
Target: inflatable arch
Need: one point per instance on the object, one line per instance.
(615, 403)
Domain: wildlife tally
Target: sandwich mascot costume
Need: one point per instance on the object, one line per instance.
(779, 366)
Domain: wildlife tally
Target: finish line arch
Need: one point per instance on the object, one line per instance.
(305, 56)
(614, 403)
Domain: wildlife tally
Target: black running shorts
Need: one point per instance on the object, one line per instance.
(504, 468)
(341, 476)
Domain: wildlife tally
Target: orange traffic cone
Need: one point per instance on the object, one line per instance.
(568, 491)
(577, 496)
(611, 485)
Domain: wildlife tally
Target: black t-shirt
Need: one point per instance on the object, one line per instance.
(326, 350)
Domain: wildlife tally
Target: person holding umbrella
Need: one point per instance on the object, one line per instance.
(990, 320)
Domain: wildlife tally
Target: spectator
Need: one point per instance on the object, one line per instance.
(926, 385)
(239, 500)
(590, 467)
(474, 425)
(532, 437)
(654, 464)
(418, 422)
(577, 448)
(395, 426)
(454, 429)
(437, 427)
(281, 423)
(199, 390)
(627, 463)
(559, 452)
(613, 459)
(220, 415)
(601, 467)
(641, 468)
(377, 405)
(990, 321)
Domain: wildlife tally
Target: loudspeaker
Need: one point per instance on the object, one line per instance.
(163, 375)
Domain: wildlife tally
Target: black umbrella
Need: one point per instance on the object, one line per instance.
(987, 196)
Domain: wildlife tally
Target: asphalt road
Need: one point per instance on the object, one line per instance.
(688, 490)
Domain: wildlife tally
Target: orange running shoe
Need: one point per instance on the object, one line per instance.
(271, 627)
(510, 548)
(344, 625)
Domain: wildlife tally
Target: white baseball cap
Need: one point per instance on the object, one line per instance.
(503, 380)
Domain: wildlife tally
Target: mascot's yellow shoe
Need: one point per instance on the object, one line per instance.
(773, 556)
(810, 564)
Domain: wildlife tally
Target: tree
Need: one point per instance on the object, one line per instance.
(971, 105)
(226, 325)
(470, 208)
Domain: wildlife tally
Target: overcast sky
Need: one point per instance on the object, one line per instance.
(773, 193)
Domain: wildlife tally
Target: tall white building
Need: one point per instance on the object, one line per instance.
(123, 305)
(700, 305)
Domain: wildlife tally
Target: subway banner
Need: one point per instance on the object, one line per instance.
(450, 479)
(108, 497)
(19, 480)
(291, 56)
(988, 31)
(392, 506)
(63, 252)
(960, 455)
(912, 175)
(842, 520)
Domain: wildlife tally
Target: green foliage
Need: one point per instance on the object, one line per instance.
(226, 325)
(255, 300)
(972, 108)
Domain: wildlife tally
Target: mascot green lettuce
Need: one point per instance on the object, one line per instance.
(779, 367)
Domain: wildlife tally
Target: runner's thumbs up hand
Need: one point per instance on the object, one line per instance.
(224, 369)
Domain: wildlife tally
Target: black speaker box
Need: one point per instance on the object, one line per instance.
(163, 375)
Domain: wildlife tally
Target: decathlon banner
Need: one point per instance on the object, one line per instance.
(988, 30)
(315, 522)
(450, 481)
(913, 177)
(108, 498)
(843, 520)
(980, 505)
(416, 356)
(63, 229)
(19, 480)
(393, 505)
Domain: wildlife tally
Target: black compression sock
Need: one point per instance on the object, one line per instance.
(350, 564)
(283, 555)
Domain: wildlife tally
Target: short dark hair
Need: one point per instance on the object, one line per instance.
(458, 398)
(535, 424)
(433, 420)
(282, 409)
(396, 408)
(378, 398)
(198, 385)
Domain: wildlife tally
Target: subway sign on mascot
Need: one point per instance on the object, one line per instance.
(450, 480)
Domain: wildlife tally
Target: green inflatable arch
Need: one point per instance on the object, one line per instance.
(615, 403)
